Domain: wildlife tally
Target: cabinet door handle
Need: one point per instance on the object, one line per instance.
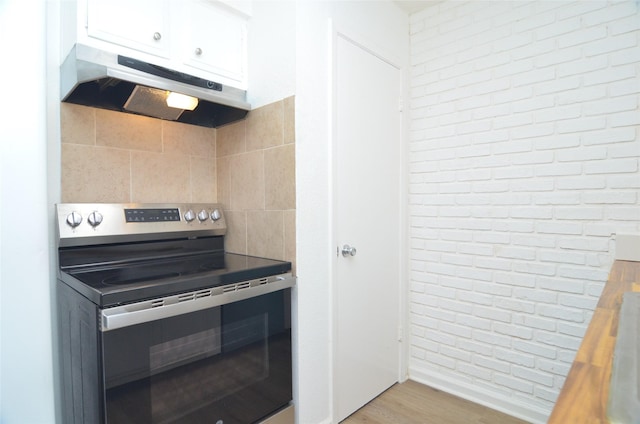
(198, 51)
(157, 36)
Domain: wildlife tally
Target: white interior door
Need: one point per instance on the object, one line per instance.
(367, 156)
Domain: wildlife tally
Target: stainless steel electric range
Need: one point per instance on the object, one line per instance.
(158, 324)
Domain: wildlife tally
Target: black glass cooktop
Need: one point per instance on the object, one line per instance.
(113, 283)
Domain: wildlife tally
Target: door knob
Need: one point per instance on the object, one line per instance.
(348, 250)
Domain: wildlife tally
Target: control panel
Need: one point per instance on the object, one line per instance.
(99, 223)
(151, 215)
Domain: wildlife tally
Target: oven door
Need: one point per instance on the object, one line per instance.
(226, 364)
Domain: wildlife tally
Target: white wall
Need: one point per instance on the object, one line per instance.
(523, 167)
(271, 50)
(26, 364)
(312, 220)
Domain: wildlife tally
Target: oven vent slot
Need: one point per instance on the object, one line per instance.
(229, 288)
(203, 293)
(157, 303)
(236, 287)
(262, 281)
(186, 297)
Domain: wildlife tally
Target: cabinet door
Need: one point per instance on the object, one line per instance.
(216, 41)
(138, 24)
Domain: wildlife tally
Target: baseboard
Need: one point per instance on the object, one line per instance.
(490, 400)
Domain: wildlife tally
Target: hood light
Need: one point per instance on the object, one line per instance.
(181, 101)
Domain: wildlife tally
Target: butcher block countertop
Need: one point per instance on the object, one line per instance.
(584, 396)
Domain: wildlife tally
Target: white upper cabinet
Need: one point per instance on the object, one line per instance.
(142, 25)
(216, 40)
(204, 38)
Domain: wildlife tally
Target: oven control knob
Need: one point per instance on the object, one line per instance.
(189, 216)
(74, 219)
(95, 218)
(216, 215)
(203, 215)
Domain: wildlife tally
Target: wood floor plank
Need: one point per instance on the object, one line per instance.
(415, 403)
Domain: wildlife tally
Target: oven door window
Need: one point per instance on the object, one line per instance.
(230, 364)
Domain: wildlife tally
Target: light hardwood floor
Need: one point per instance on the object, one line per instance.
(414, 403)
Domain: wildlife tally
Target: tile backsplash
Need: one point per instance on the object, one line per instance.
(116, 157)
(248, 166)
(256, 181)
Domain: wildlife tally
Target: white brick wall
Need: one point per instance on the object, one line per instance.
(523, 165)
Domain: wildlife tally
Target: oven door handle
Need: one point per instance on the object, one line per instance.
(166, 307)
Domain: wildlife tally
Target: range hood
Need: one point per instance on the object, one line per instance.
(106, 80)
